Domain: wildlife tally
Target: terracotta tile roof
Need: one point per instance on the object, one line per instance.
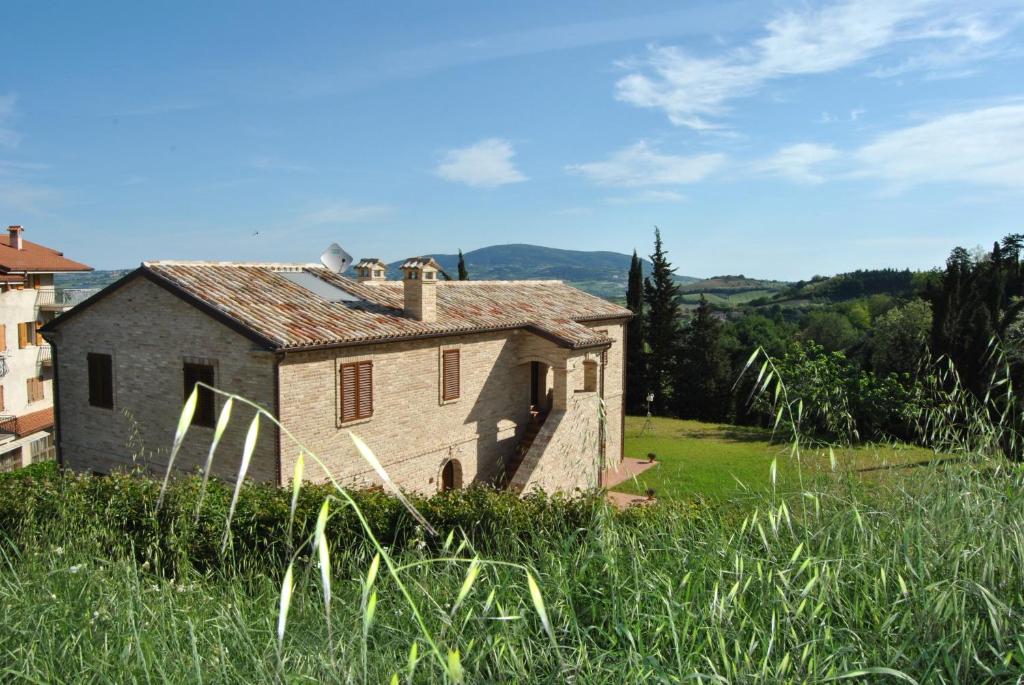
(35, 257)
(27, 424)
(285, 314)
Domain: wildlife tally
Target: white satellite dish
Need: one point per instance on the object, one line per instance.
(335, 258)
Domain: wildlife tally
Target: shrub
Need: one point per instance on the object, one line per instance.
(45, 504)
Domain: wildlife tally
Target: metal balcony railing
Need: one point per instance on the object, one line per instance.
(45, 355)
(8, 424)
(72, 296)
(50, 299)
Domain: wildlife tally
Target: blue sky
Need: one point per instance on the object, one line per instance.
(771, 139)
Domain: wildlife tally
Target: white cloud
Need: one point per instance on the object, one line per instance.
(651, 197)
(983, 146)
(345, 212)
(640, 165)
(8, 136)
(486, 164)
(694, 91)
(800, 162)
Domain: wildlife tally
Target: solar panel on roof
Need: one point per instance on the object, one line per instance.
(318, 286)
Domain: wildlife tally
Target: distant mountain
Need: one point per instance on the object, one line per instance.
(89, 279)
(601, 273)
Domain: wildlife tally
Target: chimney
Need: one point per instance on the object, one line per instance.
(370, 270)
(420, 286)
(14, 240)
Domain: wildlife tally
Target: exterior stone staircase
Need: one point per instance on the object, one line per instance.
(522, 449)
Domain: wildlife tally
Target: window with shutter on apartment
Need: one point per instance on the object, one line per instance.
(101, 380)
(450, 375)
(355, 391)
(35, 389)
(2, 405)
(205, 413)
(3, 337)
(22, 336)
(39, 337)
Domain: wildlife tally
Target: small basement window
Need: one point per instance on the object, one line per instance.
(101, 380)
(205, 413)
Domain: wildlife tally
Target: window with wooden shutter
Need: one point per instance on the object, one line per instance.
(450, 375)
(35, 389)
(39, 337)
(22, 335)
(2, 405)
(101, 380)
(205, 413)
(355, 391)
(3, 337)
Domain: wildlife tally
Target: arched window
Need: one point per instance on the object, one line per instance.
(451, 475)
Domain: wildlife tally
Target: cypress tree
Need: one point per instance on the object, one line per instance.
(636, 362)
(702, 383)
(463, 272)
(661, 297)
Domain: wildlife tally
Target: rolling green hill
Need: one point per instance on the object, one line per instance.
(730, 291)
(600, 273)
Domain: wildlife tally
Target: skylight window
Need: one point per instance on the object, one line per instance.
(318, 286)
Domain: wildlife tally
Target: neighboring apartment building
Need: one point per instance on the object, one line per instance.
(27, 301)
(514, 383)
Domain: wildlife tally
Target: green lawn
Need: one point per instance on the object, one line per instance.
(723, 461)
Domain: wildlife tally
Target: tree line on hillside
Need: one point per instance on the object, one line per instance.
(863, 358)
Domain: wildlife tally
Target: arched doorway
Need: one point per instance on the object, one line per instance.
(451, 475)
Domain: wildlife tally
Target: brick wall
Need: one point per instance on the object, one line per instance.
(150, 333)
(614, 391)
(565, 456)
(413, 432)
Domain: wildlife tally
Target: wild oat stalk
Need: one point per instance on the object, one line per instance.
(450, 660)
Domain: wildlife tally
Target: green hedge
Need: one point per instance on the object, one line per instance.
(43, 507)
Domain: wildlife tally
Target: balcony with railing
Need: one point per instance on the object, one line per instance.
(8, 425)
(44, 355)
(61, 301)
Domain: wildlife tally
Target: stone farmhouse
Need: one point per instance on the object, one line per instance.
(27, 301)
(518, 384)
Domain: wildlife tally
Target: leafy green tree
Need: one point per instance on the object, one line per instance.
(703, 380)
(900, 340)
(636, 354)
(661, 298)
(463, 271)
(831, 329)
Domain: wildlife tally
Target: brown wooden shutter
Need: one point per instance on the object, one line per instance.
(2, 405)
(348, 380)
(450, 372)
(3, 337)
(356, 391)
(39, 336)
(365, 390)
(35, 389)
(22, 335)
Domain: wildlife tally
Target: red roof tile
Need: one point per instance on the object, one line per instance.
(261, 300)
(35, 257)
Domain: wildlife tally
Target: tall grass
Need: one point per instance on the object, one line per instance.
(918, 579)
